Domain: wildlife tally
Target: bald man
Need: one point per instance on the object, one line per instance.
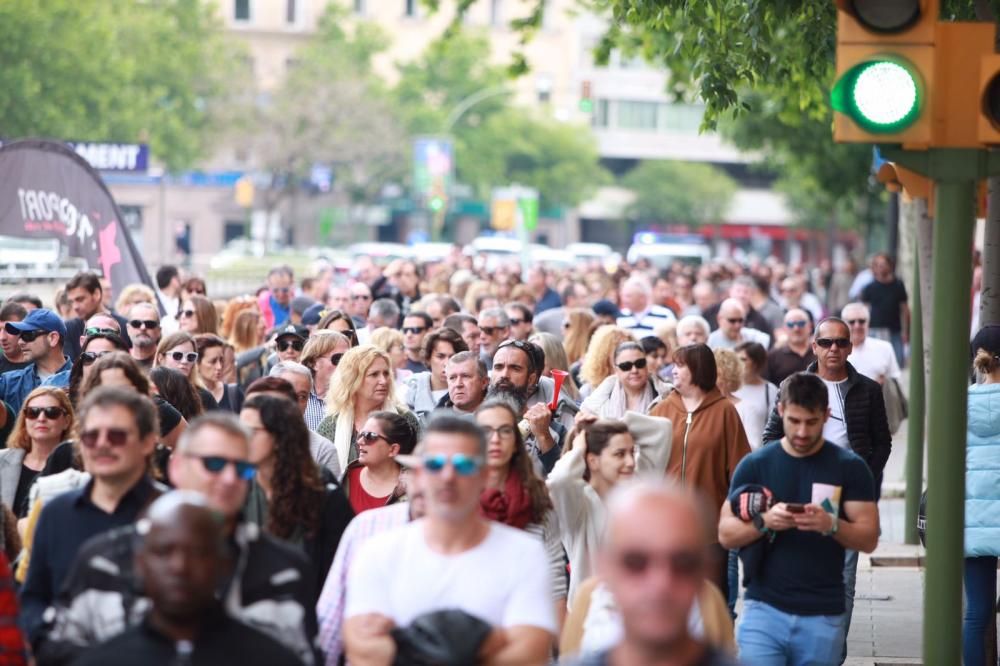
(655, 576)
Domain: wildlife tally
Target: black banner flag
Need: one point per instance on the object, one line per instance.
(48, 191)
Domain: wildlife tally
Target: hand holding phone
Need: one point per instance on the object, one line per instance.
(795, 508)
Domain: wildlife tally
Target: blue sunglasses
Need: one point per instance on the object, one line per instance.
(464, 465)
(215, 464)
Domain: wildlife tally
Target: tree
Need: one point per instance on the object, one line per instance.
(678, 192)
(117, 70)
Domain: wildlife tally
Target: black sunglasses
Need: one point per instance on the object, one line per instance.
(681, 564)
(372, 436)
(826, 343)
(415, 330)
(285, 345)
(517, 322)
(51, 413)
(31, 336)
(490, 330)
(115, 436)
(144, 323)
(626, 366)
(335, 359)
(89, 357)
(184, 314)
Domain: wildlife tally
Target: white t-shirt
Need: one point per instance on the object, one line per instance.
(835, 429)
(755, 405)
(503, 581)
(875, 358)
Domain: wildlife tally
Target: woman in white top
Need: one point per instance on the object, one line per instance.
(601, 454)
(630, 389)
(757, 395)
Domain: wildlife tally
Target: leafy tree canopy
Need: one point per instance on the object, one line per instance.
(678, 192)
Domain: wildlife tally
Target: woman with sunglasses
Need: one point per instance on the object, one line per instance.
(514, 493)
(362, 385)
(340, 321)
(321, 355)
(425, 390)
(198, 315)
(709, 439)
(287, 498)
(630, 389)
(45, 420)
(373, 480)
(600, 455)
(179, 351)
(598, 363)
(94, 347)
(211, 370)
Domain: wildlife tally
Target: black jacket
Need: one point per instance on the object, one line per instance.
(271, 590)
(867, 425)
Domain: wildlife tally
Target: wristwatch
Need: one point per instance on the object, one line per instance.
(758, 522)
(833, 527)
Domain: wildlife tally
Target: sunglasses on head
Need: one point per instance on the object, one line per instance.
(148, 324)
(335, 358)
(184, 314)
(683, 564)
(285, 345)
(462, 464)
(215, 464)
(90, 332)
(799, 323)
(857, 322)
(179, 356)
(88, 357)
(826, 343)
(51, 413)
(490, 330)
(625, 366)
(114, 436)
(371, 437)
(414, 330)
(31, 336)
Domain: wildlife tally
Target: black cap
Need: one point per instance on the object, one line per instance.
(606, 308)
(987, 338)
(300, 332)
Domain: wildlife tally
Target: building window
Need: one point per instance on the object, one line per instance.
(359, 7)
(291, 12)
(241, 10)
(600, 116)
(496, 13)
(682, 118)
(410, 8)
(637, 115)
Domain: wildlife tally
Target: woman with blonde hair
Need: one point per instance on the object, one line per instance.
(474, 292)
(45, 420)
(362, 384)
(198, 315)
(248, 330)
(322, 355)
(576, 333)
(133, 294)
(598, 363)
(390, 341)
(555, 358)
(232, 309)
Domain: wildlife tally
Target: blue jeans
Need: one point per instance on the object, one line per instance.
(734, 582)
(769, 637)
(980, 594)
(850, 583)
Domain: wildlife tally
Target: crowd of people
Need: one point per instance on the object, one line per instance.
(435, 464)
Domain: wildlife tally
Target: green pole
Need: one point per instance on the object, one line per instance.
(953, 232)
(915, 420)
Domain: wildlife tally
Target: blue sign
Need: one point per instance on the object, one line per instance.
(129, 157)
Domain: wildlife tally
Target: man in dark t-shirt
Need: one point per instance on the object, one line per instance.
(886, 298)
(823, 503)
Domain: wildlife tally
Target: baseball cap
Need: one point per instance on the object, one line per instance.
(606, 308)
(300, 332)
(313, 314)
(40, 319)
(988, 338)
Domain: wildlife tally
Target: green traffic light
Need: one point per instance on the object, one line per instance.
(586, 105)
(436, 204)
(883, 95)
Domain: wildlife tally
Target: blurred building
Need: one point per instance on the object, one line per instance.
(631, 117)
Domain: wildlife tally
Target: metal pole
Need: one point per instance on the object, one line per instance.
(953, 233)
(915, 420)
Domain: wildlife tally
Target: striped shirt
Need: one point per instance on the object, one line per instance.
(315, 411)
(642, 324)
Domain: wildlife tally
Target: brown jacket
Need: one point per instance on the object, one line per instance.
(706, 451)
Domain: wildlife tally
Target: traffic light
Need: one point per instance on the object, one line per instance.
(904, 77)
(436, 203)
(586, 100)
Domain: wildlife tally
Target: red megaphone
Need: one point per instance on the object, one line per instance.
(559, 376)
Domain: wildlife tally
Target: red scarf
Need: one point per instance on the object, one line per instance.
(510, 506)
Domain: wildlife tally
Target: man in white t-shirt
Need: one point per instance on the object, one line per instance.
(451, 559)
(871, 357)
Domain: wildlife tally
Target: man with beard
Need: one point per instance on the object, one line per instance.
(823, 505)
(145, 332)
(517, 366)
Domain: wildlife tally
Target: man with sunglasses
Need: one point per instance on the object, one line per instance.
(857, 422)
(520, 317)
(870, 356)
(42, 335)
(86, 296)
(118, 432)
(732, 330)
(796, 354)
(655, 576)
(361, 300)
(800, 507)
(145, 331)
(494, 328)
(267, 586)
(455, 559)
(289, 341)
(415, 328)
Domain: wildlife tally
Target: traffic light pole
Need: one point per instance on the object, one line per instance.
(915, 420)
(955, 173)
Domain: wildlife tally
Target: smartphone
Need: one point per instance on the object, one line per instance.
(795, 508)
